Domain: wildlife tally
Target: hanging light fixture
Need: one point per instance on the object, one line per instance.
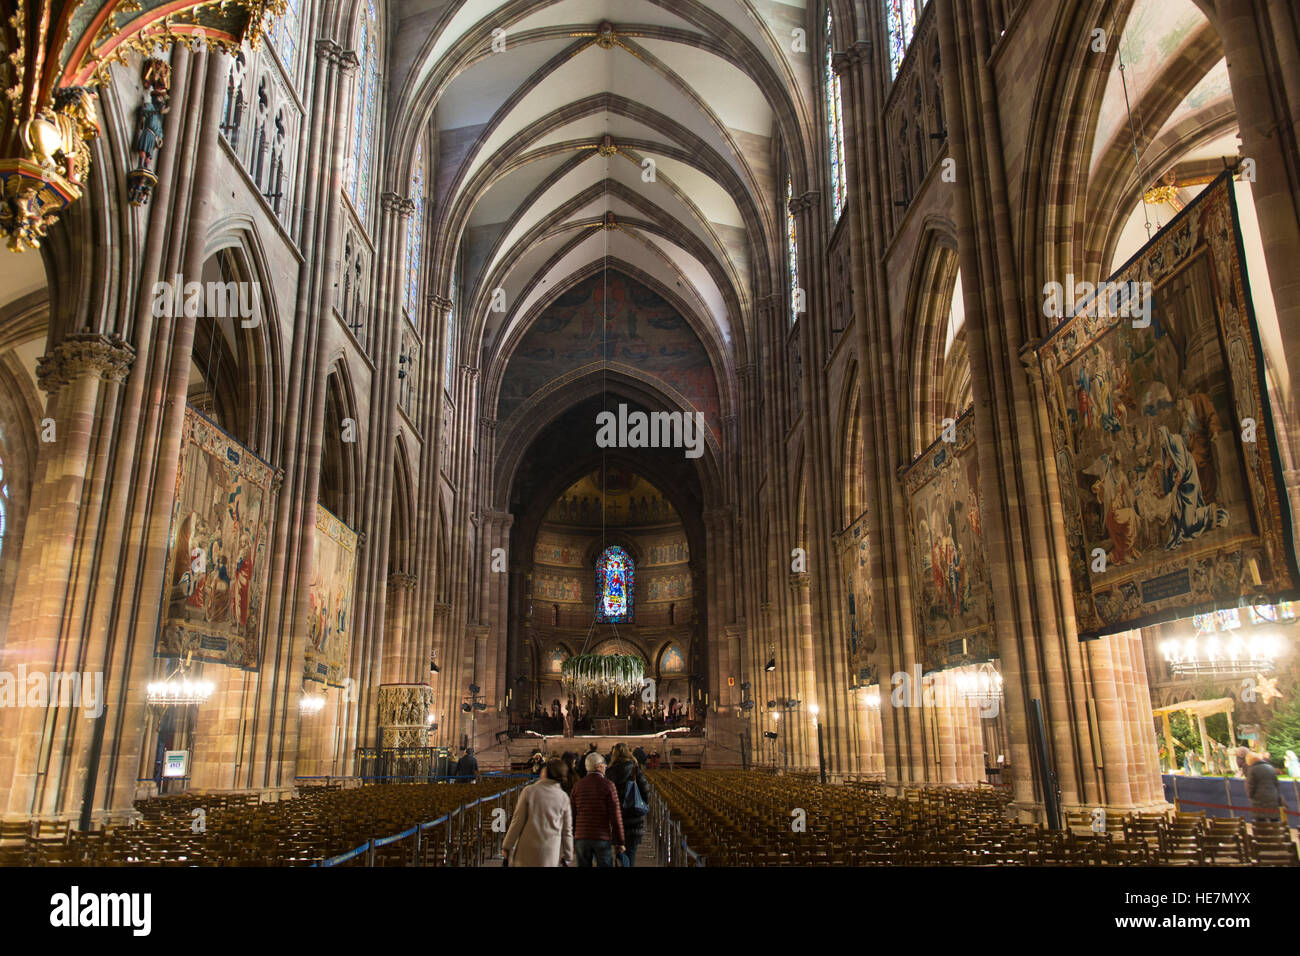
(178, 690)
(588, 674)
(1222, 655)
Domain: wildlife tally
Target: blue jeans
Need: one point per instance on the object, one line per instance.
(633, 837)
(594, 852)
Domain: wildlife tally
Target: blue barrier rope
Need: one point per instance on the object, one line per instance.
(385, 841)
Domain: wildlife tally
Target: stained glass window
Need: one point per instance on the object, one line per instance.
(793, 247)
(284, 36)
(835, 128)
(415, 233)
(1204, 623)
(364, 108)
(900, 22)
(1229, 619)
(615, 579)
(1272, 613)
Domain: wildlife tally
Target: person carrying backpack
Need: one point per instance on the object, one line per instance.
(633, 797)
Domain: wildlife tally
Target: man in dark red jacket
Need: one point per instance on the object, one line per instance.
(597, 817)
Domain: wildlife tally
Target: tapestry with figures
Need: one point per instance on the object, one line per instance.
(217, 551)
(950, 577)
(1163, 437)
(329, 613)
(856, 581)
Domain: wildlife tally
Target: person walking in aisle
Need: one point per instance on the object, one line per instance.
(597, 817)
(467, 767)
(626, 775)
(541, 830)
(1261, 787)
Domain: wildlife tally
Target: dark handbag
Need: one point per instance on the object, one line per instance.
(633, 803)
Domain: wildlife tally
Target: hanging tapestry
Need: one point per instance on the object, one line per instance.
(1163, 436)
(854, 577)
(949, 575)
(329, 614)
(216, 554)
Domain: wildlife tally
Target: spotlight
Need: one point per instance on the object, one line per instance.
(745, 686)
(792, 703)
(474, 688)
(771, 705)
(747, 705)
(771, 665)
(465, 708)
(770, 734)
(433, 667)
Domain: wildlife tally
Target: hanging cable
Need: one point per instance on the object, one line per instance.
(1137, 160)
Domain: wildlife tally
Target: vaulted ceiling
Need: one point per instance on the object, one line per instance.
(654, 134)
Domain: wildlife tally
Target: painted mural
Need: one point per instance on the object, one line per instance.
(619, 320)
(672, 660)
(555, 587)
(1170, 509)
(616, 497)
(329, 615)
(949, 573)
(560, 550)
(555, 660)
(671, 551)
(856, 580)
(216, 558)
(668, 587)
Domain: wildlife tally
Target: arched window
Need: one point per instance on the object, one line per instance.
(363, 111)
(415, 233)
(900, 22)
(792, 244)
(835, 128)
(615, 580)
(284, 37)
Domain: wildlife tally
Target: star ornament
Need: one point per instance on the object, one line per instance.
(1266, 689)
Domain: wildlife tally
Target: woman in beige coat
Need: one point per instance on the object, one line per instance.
(541, 831)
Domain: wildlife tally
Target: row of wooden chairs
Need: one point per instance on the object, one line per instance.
(239, 830)
(745, 818)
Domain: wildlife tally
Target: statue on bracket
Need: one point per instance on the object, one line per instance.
(149, 129)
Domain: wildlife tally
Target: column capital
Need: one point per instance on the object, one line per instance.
(400, 580)
(441, 610)
(84, 353)
(487, 422)
(440, 302)
(800, 582)
(804, 201)
(471, 371)
(346, 60)
(747, 374)
(857, 53)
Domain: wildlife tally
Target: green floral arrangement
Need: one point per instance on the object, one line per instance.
(603, 674)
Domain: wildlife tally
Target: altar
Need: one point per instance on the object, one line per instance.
(610, 726)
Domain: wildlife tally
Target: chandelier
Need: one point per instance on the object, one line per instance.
(983, 686)
(1214, 655)
(588, 674)
(178, 691)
